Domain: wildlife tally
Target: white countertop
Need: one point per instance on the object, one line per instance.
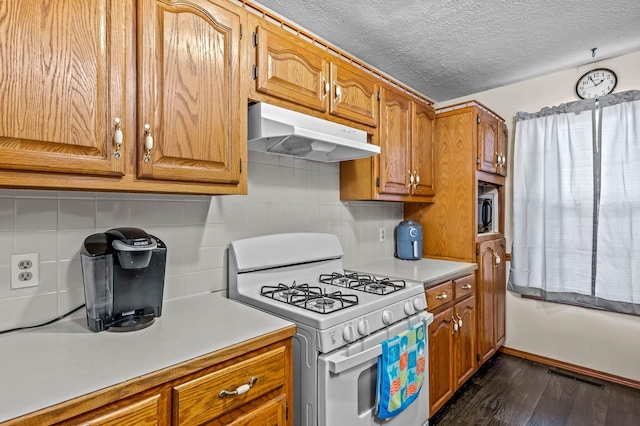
(49, 365)
(428, 271)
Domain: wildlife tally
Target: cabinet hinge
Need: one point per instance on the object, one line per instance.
(478, 119)
(254, 37)
(254, 71)
(377, 182)
(378, 97)
(240, 31)
(241, 165)
(477, 357)
(477, 252)
(286, 410)
(477, 160)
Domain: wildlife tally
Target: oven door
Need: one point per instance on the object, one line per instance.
(347, 382)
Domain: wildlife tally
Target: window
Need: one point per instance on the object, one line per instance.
(576, 204)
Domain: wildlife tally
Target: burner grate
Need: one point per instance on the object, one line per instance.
(309, 297)
(363, 282)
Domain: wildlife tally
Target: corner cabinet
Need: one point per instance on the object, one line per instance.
(452, 338)
(69, 121)
(404, 169)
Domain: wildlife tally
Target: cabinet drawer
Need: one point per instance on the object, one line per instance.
(464, 286)
(198, 400)
(439, 295)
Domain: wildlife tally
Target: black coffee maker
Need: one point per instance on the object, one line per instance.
(123, 273)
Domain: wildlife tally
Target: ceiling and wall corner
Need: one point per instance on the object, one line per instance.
(449, 49)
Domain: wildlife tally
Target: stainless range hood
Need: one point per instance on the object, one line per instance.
(281, 131)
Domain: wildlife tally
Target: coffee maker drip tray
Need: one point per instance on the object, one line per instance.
(136, 321)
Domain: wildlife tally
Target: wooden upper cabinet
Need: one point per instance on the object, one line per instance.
(487, 142)
(189, 91)
(395, 133)
(63, 84)
(353, 95)
(288, 69)
(422, 147)
(503, 145)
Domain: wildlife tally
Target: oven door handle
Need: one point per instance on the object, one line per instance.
(339, 363)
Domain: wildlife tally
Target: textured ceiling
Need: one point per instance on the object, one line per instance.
(448, 49)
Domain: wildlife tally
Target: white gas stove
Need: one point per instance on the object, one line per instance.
(341, 319)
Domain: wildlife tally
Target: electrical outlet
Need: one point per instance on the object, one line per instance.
(383, 235)
(24, 270)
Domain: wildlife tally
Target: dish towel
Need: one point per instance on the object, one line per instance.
(401, 368)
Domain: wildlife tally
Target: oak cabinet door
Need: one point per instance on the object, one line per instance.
(503, 144)
(486, 303)
(290, 70)
(423, 119)
(441, 357)
(354, 96)
(500, 288)
(465, 341)
(62, 85)
(395, 131)
(189, 92)
(487, 142)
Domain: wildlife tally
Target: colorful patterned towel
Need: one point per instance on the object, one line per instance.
(401, 370)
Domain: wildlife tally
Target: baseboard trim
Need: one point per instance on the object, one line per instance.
(572, 367)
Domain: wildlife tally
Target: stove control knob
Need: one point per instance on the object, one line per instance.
(417, 303)
(387, 317)
(363, 327)
(408, 308)
(348, 334)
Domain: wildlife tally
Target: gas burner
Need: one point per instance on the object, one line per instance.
(363, 282)
(285, 293)
(327, 302)
(309, 298)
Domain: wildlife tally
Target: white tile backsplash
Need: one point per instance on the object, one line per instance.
(285, 195)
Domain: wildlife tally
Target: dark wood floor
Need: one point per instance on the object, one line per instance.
(512, 391)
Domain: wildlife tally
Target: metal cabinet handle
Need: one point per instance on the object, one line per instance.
(465, 286)
(326, 86)
(417, 180)
(496, 258)
(455, 325)
(240, 390)
(148, 143)
(410, 184)
(117, 137)
(459, 320)
(441, 296)
(338, 97)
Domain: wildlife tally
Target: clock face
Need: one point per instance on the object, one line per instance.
(596, 83)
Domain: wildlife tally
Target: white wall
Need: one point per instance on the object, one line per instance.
(602, 341)
(285, 195)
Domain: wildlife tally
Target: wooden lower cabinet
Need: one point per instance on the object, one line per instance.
(452, 338)
(190, 393)
(491, 297)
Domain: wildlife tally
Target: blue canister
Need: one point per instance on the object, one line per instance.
(409, 240)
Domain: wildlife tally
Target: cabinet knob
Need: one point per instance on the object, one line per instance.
(441, 296)
(148, 143)
(117, 137)
(465, 286)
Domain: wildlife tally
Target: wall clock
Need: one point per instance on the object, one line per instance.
(595, 83)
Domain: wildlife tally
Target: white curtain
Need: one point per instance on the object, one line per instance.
(576, 203)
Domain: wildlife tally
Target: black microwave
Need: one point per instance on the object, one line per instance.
(487, 212)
